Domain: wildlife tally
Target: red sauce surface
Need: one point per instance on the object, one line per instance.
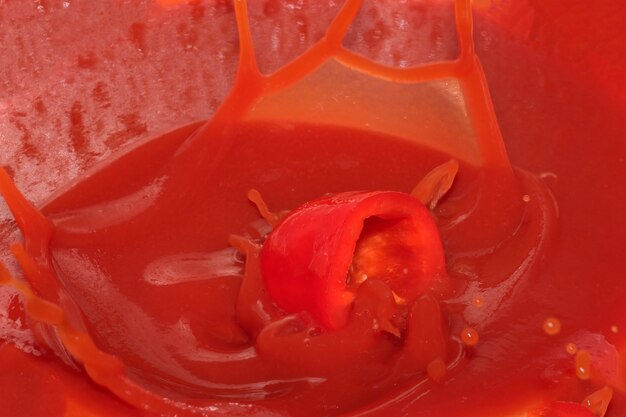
(138, 256)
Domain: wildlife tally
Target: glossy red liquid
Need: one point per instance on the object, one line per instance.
(95, 220)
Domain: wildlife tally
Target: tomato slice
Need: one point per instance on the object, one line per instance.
(322, 251)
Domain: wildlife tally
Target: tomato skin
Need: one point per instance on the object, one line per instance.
(305, 261)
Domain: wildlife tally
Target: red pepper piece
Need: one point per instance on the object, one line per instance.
(562, 409)
(320, 253)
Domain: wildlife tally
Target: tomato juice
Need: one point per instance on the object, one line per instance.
(144, 271)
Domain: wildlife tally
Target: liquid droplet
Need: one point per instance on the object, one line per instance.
(552, 326)
(315, 331)
(469, 336)
(571, 348)
(614, 329)
(436, 370)
(583, 364)
(375, 326)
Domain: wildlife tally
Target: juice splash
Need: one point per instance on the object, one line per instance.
(254, 98)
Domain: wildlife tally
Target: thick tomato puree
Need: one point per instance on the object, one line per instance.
(274, 262)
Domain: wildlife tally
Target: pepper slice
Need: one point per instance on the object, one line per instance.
(322, 251)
